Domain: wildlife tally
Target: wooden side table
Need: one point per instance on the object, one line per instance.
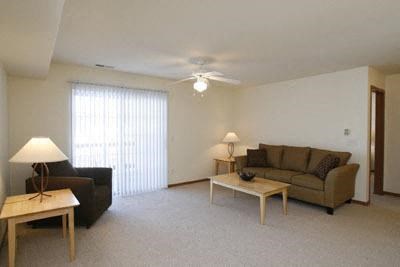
(19, 209)
(230, 162)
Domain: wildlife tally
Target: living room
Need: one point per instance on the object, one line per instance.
(306, 73)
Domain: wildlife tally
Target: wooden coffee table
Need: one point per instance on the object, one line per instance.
(259, 187)
(20, 209)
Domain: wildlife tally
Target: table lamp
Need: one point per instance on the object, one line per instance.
(231, 138)
(38, 151)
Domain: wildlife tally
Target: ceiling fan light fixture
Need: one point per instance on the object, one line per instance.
(200, 85)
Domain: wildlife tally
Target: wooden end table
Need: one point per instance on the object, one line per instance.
(230, 162)
(19, 209)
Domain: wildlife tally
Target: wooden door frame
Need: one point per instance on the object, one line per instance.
(380, 140)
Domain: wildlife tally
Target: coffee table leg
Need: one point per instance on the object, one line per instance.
(262, 209)
(11, 242)
(234, 193)
(64, 225)
(284, 201)
(211, 191)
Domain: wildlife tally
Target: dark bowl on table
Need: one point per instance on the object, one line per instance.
(246, 176)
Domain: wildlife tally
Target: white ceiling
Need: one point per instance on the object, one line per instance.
(28, 34)
(254, 41)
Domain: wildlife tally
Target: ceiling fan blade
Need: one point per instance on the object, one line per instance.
(225, 80)
(212, 73)
(184, 80)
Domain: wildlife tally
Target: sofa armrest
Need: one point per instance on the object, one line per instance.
(101, 176)
(340, 184)
(241, 162)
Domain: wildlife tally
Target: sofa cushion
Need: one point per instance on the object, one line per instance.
(328, 163)
(295, 158)
(309, 181)
(280, 175)
(256, 158)
(260, 172)
(274, 155)
(240, 162)
(318, 154)
(307, 194)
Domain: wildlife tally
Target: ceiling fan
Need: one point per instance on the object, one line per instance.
(203, 77)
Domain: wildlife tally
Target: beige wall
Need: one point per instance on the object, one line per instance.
(4, 166)
(312, 111)
(391, 182)
(196, 125)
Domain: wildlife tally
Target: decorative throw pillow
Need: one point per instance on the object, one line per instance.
(256, 158)
(328, 163)
(61, 168)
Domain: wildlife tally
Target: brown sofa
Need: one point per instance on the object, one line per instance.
(294, 165)
(93, 189)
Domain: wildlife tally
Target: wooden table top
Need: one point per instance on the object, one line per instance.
(20, 205)
(257, 185)
(225, 159)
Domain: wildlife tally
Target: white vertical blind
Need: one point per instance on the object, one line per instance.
(121, 128)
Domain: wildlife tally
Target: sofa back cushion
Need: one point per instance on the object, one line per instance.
(318, 154)
(274, 155)
(295, 158)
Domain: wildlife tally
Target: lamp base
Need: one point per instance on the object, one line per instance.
(41, 194)
(44, 173)
(231, 148)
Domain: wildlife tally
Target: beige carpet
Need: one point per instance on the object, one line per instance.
(177, 227)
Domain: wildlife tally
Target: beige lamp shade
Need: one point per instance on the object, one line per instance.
(39, 150)
(231, 137)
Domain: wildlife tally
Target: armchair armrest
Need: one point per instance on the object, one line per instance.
(340, 184)
(101, 176)
(241, 162)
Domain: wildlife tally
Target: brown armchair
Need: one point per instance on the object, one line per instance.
(93, 189)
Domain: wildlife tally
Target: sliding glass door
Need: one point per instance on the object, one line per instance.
(121, 128)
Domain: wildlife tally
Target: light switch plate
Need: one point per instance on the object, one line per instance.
(346, 132)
